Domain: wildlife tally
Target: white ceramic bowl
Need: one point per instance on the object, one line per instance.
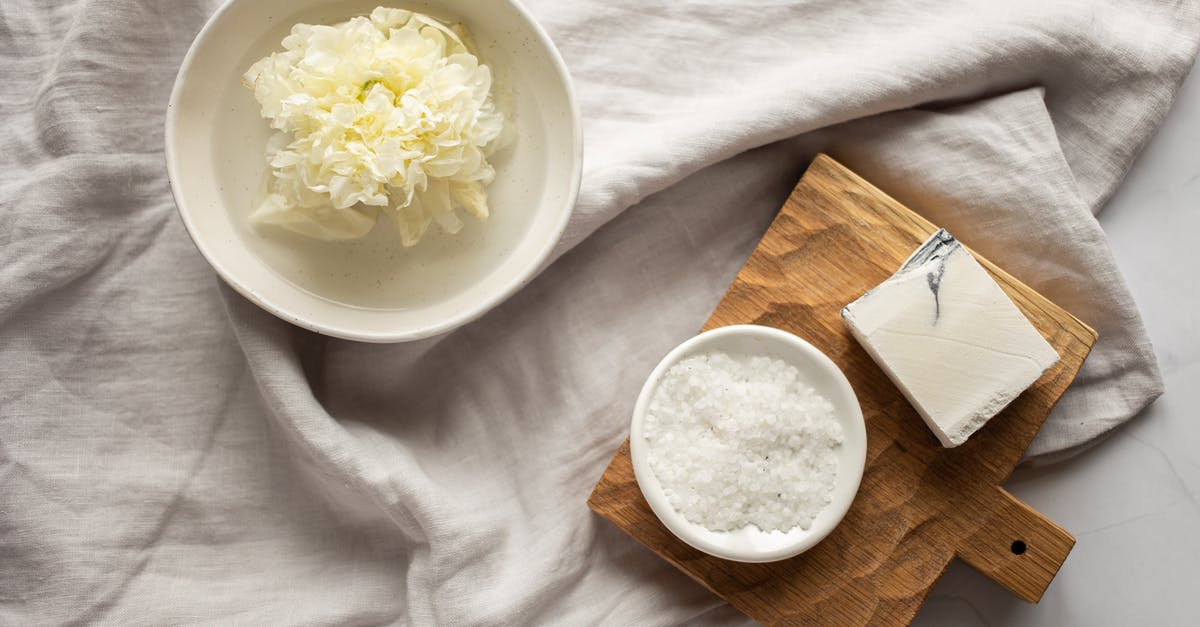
(371, 289)
(750, 544)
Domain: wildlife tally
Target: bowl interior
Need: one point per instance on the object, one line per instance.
(372, 288)
(750, 544)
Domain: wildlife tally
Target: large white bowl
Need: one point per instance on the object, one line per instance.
(371, 289)
(750, 544)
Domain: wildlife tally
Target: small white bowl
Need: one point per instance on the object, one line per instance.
(372, 289)
(750, 544)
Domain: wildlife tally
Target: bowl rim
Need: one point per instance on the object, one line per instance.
(468, 314)
(685, 530)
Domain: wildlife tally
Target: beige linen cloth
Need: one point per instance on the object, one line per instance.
(171, 454)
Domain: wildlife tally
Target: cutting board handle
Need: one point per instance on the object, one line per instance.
(1017, 547)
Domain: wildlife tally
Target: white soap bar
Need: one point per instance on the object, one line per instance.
(949, 338)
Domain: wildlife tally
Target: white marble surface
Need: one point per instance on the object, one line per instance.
(1133, 502)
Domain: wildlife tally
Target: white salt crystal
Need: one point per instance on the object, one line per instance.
(741, 440)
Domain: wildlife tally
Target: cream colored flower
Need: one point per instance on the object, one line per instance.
(388, 114)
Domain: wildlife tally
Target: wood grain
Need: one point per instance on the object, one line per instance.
(919, 505)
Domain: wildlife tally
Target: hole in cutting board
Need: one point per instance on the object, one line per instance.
(1018, 547)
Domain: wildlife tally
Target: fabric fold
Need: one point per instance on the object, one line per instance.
(170, 453)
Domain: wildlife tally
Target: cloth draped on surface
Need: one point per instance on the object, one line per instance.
(171, 454)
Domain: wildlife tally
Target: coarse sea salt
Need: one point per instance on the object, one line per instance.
(739, 440)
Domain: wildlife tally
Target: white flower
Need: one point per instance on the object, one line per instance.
(391, 114)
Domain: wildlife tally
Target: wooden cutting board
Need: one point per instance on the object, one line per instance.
(919, 505)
